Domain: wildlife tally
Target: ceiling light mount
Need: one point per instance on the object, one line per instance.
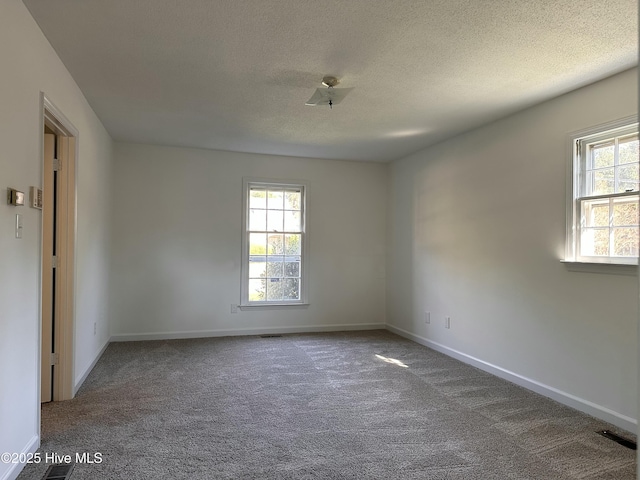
(330, 95)
(330, 81)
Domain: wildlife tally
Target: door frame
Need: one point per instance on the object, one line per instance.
(64, 341)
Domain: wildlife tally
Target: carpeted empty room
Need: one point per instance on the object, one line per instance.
(352, 405)
(292, 239)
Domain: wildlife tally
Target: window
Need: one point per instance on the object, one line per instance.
(603, 219)
(274, 249)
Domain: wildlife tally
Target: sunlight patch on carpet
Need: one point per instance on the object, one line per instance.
(392, 360)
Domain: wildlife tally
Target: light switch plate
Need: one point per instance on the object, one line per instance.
(18, 226)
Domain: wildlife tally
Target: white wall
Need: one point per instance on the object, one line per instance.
(29, 66)
(92, 252)
(476, 232)
(177, 232)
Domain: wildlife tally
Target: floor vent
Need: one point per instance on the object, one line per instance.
(275, 335)
(60, 471)
(617, 438)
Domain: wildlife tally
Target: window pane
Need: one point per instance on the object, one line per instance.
(257, 244)
(628, 149)
(602, 155)
(603, 181)
(595, 242)
(291, 289)
(275, 221)
(291, 221)
(257, 290)
(257, 267)
(625, 242)
(292, 244)
(292, 269)
(275, 200)
(274, 267)
(625, 212)
(276, 244)
(274, 289)
(596, 213)
(257, 219)
(292, 200)
(258, 199)
(628, 178)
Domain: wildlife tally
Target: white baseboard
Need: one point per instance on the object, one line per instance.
(622, 421)
(15, 468)
(87, 371)
(246, 331)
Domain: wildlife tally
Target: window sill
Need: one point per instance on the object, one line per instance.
(606, 268)
(273, 306)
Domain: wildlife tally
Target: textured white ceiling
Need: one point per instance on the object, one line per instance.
(235, 74)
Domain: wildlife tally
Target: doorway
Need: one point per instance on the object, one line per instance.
(58, 254)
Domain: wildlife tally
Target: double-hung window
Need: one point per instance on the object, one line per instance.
(603, 220)
(274, 244)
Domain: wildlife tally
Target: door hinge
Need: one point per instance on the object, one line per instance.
(54, 261)
(57, 165)
(54, 358)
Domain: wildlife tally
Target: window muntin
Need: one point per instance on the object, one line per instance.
(274, 244)
(605, 198)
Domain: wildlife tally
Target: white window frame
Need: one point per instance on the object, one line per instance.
(245, 303)
(575, 181)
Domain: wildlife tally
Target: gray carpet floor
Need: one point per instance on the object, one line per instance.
(348, 405)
